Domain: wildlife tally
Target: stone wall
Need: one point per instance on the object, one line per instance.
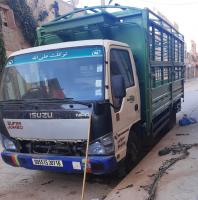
(38, 6)
(12, 35)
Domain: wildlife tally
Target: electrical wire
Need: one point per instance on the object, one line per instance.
(168, 4)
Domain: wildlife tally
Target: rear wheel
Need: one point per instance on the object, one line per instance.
(171, 122)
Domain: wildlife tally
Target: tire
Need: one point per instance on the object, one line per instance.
(171, 123)
(133, 151)
(132, 155)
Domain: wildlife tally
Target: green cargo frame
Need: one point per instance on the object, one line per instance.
(158, 50)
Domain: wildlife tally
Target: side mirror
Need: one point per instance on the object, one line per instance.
(118, 86)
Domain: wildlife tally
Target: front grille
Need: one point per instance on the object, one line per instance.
(56, 148)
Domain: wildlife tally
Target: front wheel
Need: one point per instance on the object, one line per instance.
(132, 154)
(133, 150)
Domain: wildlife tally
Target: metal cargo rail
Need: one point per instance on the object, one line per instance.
(157, 46)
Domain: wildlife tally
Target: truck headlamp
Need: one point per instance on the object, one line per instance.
(102, 146)
(8, 144)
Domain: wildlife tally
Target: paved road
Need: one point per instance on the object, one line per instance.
(180, 182)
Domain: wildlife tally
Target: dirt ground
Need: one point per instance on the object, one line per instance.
(180, 181)
(23, 184)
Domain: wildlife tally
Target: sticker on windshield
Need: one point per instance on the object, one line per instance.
(98, 92)
(97, 52)
(10, 62)
(57, 54)
(99, 83)
(99, 68)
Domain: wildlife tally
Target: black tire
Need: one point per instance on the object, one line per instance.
(171, 122)
(133, 151)
(132, 155)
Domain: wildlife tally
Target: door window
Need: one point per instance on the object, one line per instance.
(120, 64)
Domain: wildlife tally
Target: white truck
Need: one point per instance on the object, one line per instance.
(119, 74)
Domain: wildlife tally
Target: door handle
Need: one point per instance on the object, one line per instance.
(131, 99)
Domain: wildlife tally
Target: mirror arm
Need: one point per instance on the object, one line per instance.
(114, 107)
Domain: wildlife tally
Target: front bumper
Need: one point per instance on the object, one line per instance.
(96, 164)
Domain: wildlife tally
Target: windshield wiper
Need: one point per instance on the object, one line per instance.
(17, 101)
(44, 100)
(65, 100)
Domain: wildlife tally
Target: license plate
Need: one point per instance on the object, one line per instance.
(44, 162)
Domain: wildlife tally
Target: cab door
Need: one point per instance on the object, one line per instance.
(126, 109)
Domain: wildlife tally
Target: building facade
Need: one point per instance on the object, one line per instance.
(47, 10)
(12, 35)
(43, 11)
(191, 62)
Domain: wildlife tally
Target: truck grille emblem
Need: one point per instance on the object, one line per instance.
(41, 115)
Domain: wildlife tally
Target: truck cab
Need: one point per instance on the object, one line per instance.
(52, 96)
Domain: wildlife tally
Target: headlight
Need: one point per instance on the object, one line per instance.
(102, 146)
(8, 144)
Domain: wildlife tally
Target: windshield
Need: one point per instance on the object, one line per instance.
(76, 73)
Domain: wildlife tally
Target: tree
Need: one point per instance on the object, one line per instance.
(2, 53)
(24, 16)
(2, 48)
(42, 15)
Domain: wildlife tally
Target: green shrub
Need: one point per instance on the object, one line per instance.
(42, 15)
(24, 16)
(2, 53)
(2, 48)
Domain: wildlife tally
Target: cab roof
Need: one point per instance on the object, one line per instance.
(61, 45)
